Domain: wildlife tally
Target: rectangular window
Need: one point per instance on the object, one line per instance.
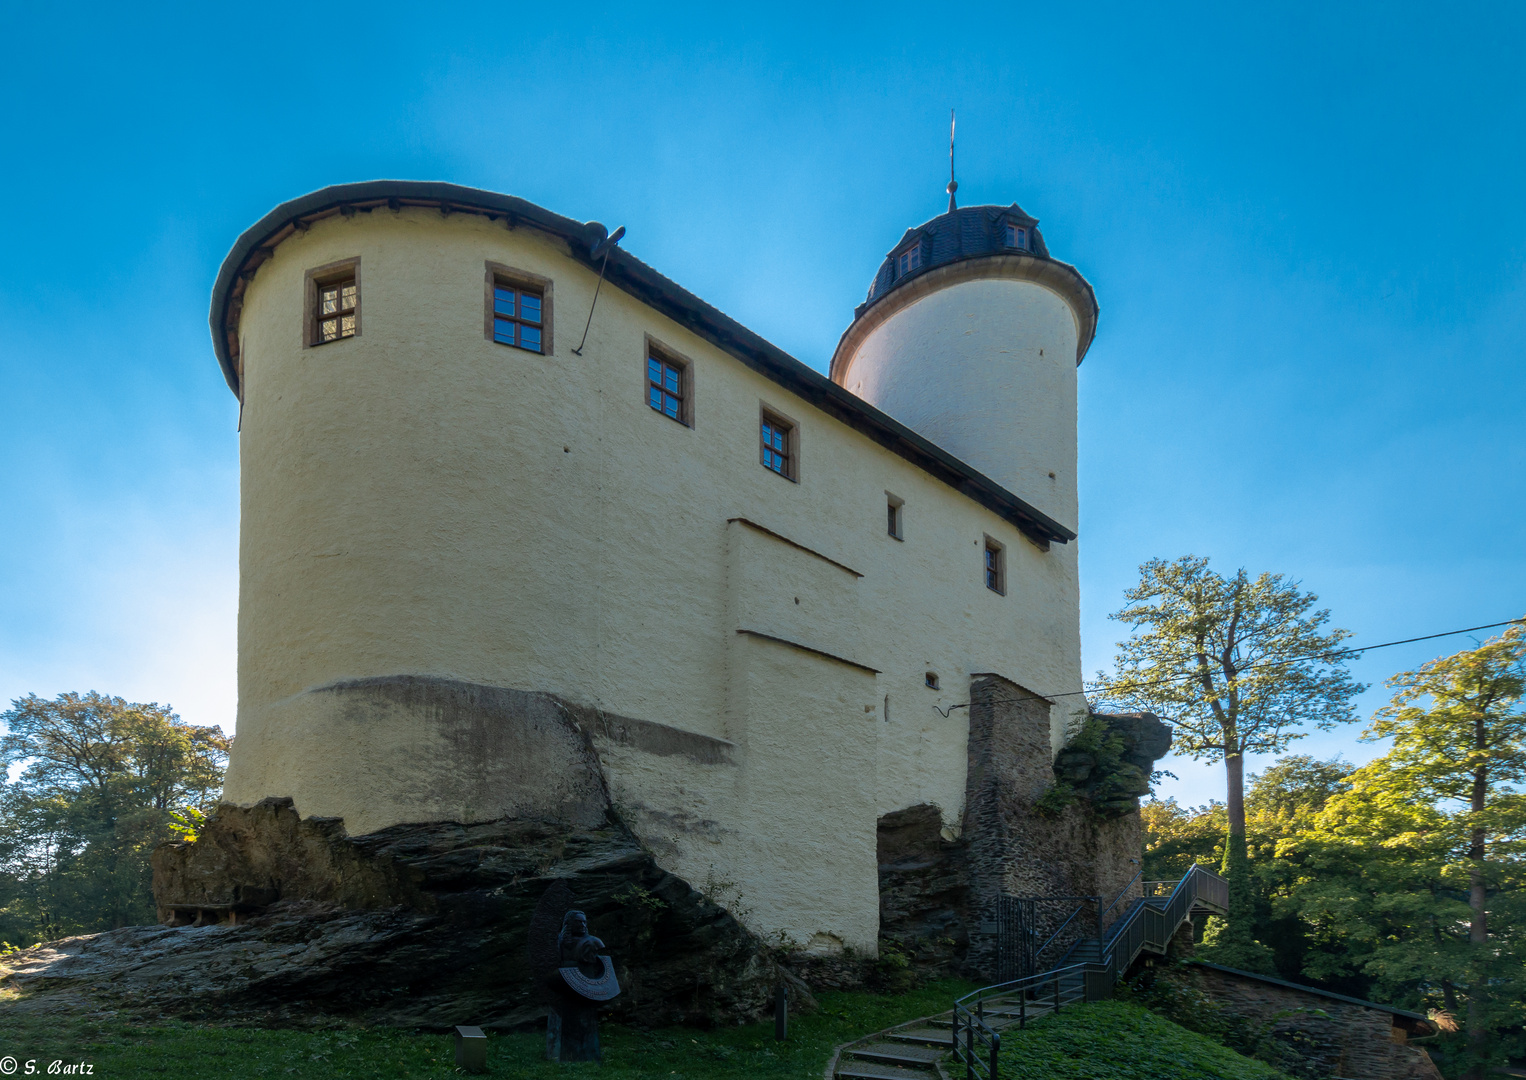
(667, 385)
(517, 317)
(908, 260)
(893, 510)
(996, 567)
(1017, 237)
(336, 310)
(778, 445)
(518, 309)
(333, 302)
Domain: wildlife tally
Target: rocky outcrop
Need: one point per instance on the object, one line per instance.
(924, 890)
(1015, 844)
(294, 921)
(1110, 761)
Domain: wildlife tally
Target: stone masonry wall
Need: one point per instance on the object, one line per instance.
(1013, 848)
(1349, 1040)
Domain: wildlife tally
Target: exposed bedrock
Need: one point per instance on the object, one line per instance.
(419, 925)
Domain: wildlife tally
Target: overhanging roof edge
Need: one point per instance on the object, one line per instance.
(638, 279)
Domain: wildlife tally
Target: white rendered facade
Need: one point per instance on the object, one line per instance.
(746, 655)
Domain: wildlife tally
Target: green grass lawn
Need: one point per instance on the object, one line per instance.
(125, 1051)
(1113, 1040)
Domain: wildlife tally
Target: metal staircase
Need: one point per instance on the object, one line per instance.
(967, 1039)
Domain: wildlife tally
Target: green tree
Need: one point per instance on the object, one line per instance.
(1238, 666)
(100, 781)
(1458, 762)
(1279, 802)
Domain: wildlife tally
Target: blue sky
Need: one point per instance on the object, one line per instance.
(1304, 226)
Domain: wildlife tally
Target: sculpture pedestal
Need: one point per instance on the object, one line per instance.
(572, 1034)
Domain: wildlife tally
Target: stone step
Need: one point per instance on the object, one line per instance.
(928, 1036)
(905, 1054)
(865, 1070)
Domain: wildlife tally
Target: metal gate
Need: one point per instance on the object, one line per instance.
(1016, 937)
(1033, 932)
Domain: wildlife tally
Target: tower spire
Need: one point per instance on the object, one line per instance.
(953, 185)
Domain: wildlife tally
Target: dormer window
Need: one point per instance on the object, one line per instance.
(908, 260)
(1017, 236)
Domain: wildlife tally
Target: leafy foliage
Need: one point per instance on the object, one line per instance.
(1403, 881)
(1238, 666)
(102, 782)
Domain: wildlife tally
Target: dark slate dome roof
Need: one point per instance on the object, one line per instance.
(965, 233)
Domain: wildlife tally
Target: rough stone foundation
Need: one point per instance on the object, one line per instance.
(293, 921)
(1337, 1035)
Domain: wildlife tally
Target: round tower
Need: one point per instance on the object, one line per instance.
(970, 336)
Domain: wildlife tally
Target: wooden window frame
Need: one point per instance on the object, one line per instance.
(656, 350)
(514, 278)
(315, 279)
(907, 253)
(1016, 236)
(995, 547)
(791, 452)
(895, 517)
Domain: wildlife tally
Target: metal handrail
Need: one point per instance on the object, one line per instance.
(1084, 901)
(980, 1047)
(1121, 893)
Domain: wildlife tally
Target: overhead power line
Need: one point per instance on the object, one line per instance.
(1325, 656)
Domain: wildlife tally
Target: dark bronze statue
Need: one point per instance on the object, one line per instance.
(575, 974)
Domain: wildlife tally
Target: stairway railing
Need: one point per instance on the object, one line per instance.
(978, 1046)
(1150, 922)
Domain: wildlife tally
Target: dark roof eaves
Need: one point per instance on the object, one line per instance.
(673, 300)
(1392, 1010)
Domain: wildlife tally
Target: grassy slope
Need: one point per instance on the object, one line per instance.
(1108, 1041)
(1113, 1040)
(134, 1052)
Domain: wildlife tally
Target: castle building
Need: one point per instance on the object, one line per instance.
(674, 575)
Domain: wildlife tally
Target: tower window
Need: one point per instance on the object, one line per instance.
(930, 680)
(1017, 236)
(518, 309)
(779, 451)
(908, 260)
(333, 302)
(893, 511)
(667, 385)
(517, 317)
(996, 567)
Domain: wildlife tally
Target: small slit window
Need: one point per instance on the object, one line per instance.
(517, 317)
(778, 445)
(667, 386)
(930, 680)
(893, 510)
(995, 567)
(1017, 236)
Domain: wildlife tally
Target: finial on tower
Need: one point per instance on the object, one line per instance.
(953, 185)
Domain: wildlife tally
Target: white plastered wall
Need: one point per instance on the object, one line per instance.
(985, 368)
(419, 500)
